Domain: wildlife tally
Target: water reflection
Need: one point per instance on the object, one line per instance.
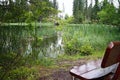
(47, 46)
(21, 40)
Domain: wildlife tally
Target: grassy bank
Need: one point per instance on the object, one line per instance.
(88, 38)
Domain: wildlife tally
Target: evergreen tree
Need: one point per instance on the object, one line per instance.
(78, 10)
(90, 11)
(55, 4)
(86, 10)
(95, 10)
(105, 2)
(25, 10)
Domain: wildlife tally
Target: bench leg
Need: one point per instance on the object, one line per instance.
(73, 78)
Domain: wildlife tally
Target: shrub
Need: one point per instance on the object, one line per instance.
(21, 73)
(86, 49)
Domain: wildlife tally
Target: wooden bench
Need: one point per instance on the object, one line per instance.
(106, 69)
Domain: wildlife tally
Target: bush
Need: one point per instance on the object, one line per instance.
(21, 73)
(86, 49)
(111, 18)
(74, 47)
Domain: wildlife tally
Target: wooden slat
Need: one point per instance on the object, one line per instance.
(112, 54)
(91, 70)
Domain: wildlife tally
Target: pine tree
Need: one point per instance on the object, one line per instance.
(86, 9)
(105, 2)
(90, 11)
(95, 10)
(78, 10)
(55, 4)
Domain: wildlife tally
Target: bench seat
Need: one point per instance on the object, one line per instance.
(92, 70)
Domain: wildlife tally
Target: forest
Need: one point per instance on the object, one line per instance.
(105, 12)
(38, 44)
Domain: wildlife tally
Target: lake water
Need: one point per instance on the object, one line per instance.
(41, 42)
(49, 44)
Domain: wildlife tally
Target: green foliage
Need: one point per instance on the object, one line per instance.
(26, 10)
(12, 11)
(79, 17)
(45, 62)
(11, 37)
(46, 31)
(75, 46)
(21, 73)
(29, 16)
(95, 10)
(9, 63)
(108, 15)
(86, 49)
(41, 9)
(80, 39)
(12, 47)
(86, 38)
(105, 12)
(69, 19)
(70, 49)
(78, 9)
(55, 4)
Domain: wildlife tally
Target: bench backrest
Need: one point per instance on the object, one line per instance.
(112, 54)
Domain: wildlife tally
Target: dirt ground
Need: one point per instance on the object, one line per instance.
(62, 73)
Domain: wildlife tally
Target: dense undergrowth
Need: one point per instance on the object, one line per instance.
(87, 38)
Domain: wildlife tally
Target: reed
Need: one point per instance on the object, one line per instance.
(96, 36)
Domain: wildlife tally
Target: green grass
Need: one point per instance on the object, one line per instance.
(96, 36)
(95, 55)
